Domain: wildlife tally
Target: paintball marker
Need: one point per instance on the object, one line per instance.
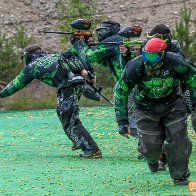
(126, 43)
(131, 31)
(97, 88)
(79, 24)
(126, 33)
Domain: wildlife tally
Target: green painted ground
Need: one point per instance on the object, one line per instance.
(35, 159)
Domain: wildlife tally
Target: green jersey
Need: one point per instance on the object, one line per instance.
(150, 88)
(47, 69)
(107, 55)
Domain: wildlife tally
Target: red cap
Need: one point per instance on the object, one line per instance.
(155, 45)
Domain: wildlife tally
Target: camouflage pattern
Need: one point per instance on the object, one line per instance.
(68, 113)
(46, 69)
(175, 47)
(49, 71)
(108, 55)
(131, 116)
(160, 110)
(153, 87)
(90, 93)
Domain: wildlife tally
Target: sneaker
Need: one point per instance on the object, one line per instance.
(162, 166)
(90, 154)
(181, 182)
(153, 166)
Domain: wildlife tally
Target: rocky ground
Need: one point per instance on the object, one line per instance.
(39, 14)
(42, 14)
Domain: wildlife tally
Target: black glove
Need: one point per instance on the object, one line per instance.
(124, 130)
(75, 64)
(73, 39)
(90, 93)
(72, 64)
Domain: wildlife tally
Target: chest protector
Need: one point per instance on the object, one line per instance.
(158, 87)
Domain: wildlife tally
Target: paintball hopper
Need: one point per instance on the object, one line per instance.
(81, 24)
(131, 31)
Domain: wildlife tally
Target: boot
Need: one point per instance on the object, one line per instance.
(91, 154)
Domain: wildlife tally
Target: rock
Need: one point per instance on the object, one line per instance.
(27, 2)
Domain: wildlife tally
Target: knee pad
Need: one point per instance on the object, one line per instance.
(150, 147)
(182, 146)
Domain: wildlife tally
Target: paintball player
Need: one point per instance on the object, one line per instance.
(163, 32)
(160, 109)
(107, 55)
(54, 70)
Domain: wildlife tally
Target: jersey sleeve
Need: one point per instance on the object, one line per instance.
(186, 73)
(96, 54)
(23, 78)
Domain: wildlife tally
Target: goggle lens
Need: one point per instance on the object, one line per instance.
(152, 57)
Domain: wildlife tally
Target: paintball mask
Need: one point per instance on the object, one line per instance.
(107, 29)
(130, 31)
(161, 31)
(153, 53)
